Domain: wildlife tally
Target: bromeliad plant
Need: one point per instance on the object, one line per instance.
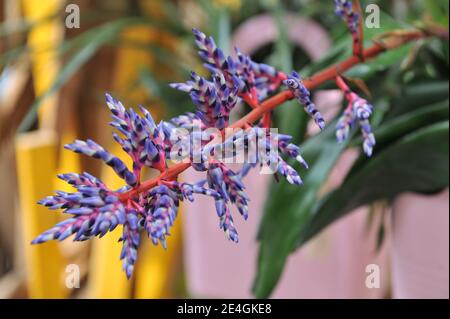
(152, 205)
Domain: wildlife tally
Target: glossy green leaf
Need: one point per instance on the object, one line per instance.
(408, 122)
(288, 208)
(416, 163)
(417, 95)
(394, 129)
(438, 9)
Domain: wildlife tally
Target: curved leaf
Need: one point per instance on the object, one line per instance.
(287, 210)
(408, 122)
(416, 163)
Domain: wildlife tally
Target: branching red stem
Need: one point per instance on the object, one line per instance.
(273, 102)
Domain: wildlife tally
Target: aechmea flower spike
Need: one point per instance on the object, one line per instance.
(260, 79)
(302, 94)
(344, 125)
(344, 9)
(280, 142)
(161, 213)
(362, 111)
(214, 58)
(249, 77)
(97, 210)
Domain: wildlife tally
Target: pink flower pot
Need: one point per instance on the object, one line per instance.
(420, 246)
(333, 265)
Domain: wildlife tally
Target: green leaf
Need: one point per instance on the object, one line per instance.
(438, 9)
(381, 63)
(418, 162)
(287, 209)
(419, 95)
(12, 54)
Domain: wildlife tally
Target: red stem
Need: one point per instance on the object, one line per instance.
(358, 39)
(343, 87)
(274, 101)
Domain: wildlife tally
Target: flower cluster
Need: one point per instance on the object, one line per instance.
(151, 206)
(234, 79)
(96, 209)
(358, 110)
(255, 79)
(344, 9)
(229, 185)
(142, 138)
(266, 148)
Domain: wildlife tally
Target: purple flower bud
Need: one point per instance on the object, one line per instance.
(231, 189)
(138, 133)
(131, 239)
(226, 223)
(287, 171)
(214, 99)
(344, 9)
